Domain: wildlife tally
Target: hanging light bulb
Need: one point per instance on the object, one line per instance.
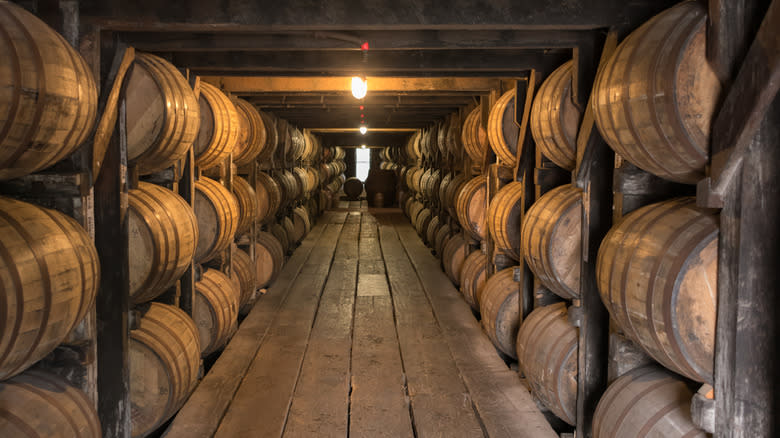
(362, 146)
(359, 87)
(363, 130)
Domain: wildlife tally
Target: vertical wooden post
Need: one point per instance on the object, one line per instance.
(113, 299)
(187, 191)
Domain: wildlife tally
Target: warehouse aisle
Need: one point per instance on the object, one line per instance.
(364, 336)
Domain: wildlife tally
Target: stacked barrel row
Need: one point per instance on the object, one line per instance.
(332, 175)
(656, 268)
(49, 270)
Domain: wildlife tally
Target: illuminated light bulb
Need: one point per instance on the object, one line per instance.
(362, 116)
(362, 146)
(359, 87)
(363, 130)
(361, 107)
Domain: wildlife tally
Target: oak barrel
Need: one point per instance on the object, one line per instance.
(443, 237)
(251, 134)
(504, 218)
(501, 128)
(163, 235)
(412, 147)
(474, 137)
(245, 279)
(430, 233)
(381, 181)
(278, 231)
(453, 255)
(49, 274)
(654, 101)
(657, 274)
(269, 258)
(217, 212)
(48, 104)
(163, 116)
(500, 309)
(271, 137)
(552, 240)
(301, 223)
(470, 207)
(421, 222)
(289, 228)
(547, 356)
(473, 276)
(164, 357)
(246, 199)
(41, 404)
(646, 402)
(449, 196)
(219, 127)
(215, 310)
(353, 188)
(269, 197)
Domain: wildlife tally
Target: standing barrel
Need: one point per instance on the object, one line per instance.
(501, 129)
(473, 276)
(653, 102)
(552, 240)
(251, 134)
(471, 207)
(381, 181)
(499, 306)
(49, 101)
(246, 199)
(504, 218)
(219, 126)
(163, 116)
(646, 402)
(215, 310)
(657, 274)
(269, 257)
(49, 274)
(474, 137)
(163, 235)
(41, 404)
(353, 188)
(547, 355)
(555, 119)
(164, 357)
(269, 197)
(455, 252)
(217, 212)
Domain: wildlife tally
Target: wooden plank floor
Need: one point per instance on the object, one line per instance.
(361, 336)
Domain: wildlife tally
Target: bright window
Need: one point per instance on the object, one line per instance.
(362, 163)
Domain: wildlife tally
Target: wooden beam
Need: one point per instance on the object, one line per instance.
(244, 85)
(485, 62)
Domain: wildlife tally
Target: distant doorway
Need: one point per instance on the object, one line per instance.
(362, 163)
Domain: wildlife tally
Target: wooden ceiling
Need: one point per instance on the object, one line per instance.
(427, 58)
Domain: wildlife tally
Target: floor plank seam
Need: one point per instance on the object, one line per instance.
(311, 327)
(352, 331)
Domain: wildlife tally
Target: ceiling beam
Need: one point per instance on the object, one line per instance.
(488, 62)
(355, 139)
(247, 85)
(347, 100)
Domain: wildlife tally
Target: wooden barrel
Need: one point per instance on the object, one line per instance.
(246, 199)
(430, 233)
(646, 402)
(163, 116)
(251, 134)
(219, 127)
(412, 148)
(164, 356)
(505, 218)
(442, 238)
(449, 200)
(311, 148)
(474, 137)
(381, 181)
(308, 180)
(340, 154)
(163, 234)
(278, 231)
(297, 143)
(269, 197)
(421, 222)
(654, 100)
(552, 240)
(215, 310)
(555, 120)
(42, 404)
(217, 212)
(243, 274)
(500, 309)
(269, 258)
(301, 224)
(416, 179)
(431, 187)
(49, 101)
(414, 210)
(290, 187)
(501, 129)
(470, 207)
(473, 276)
(353, 188)
(657, 274)
(49, 274)
(289, 229)
(453, 255)
(547, 356)
(271, 137)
